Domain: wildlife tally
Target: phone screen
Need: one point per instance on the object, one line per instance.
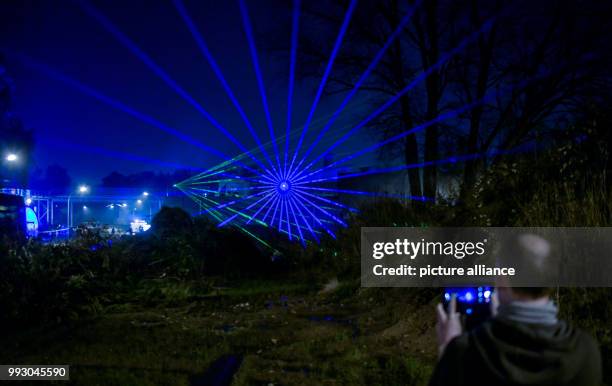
(472, 302)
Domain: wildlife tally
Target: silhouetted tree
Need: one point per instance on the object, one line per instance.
(537, 60)
(546, 58)
(14, 137)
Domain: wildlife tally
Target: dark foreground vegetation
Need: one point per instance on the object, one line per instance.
(188, 299)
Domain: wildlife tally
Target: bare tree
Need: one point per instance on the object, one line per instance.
(539, 58)
(533, 63)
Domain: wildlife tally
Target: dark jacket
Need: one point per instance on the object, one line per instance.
(502, 352)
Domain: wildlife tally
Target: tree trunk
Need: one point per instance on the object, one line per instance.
(411, 148)
(430, 57)
(485, 47)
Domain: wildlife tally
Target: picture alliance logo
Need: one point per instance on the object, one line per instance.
(413, 249)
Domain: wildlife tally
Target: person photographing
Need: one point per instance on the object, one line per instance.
(524, 343)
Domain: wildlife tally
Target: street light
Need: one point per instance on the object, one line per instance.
(146, 194)
(139, 202)
(82, 189)
(12, 157)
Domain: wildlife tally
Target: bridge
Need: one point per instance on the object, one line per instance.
(116, 206)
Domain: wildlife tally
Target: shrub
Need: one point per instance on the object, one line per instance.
(170, 222)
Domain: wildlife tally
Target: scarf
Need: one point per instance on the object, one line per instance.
(528, 312)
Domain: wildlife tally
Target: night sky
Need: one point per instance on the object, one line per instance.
(69, 124)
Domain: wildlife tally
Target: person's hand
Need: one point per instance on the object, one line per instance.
(448, 325)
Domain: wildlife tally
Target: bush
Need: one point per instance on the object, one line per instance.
(228, 252)
(51, 283)
(169, 222)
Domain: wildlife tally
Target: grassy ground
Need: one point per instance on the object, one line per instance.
(280, 333)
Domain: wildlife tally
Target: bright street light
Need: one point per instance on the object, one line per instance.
(83, 189)
(84, 207)
(12, 157)
(145, 194)
(139, 202)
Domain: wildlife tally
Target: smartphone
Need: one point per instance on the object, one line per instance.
(474, 303)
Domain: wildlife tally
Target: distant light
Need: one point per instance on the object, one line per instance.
(468, 296)
(124, 205)
(468, 311)
(145, 194)
(28, 201)
(83, 189)
(487, 294)
(84, 207)
(12, 157)
(139, 202)
(112, 206)
(447, 297)
(284, 186)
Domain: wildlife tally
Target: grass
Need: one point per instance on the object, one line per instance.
(286, 333)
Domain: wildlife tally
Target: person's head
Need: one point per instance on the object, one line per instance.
(527, 252)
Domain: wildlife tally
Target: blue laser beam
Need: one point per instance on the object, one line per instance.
(157, 70)
(317, 219)
(115, 154)
(360, 81)
(401, 135)
(372, 194)
(295, 204)
(216, 214)
(293, 54)
(284, 199)
(276, 205)
(215, 67)
(443, 59)
(52, 73)
(330, 63)
(327, 213)
(293, 190)
(264, 205)
(248, 29)
(276, 198)
(280, 218)
(326, 200)
(229, 219)
(233, 202)
(449, 160)
(491, 95)
(299, 229)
